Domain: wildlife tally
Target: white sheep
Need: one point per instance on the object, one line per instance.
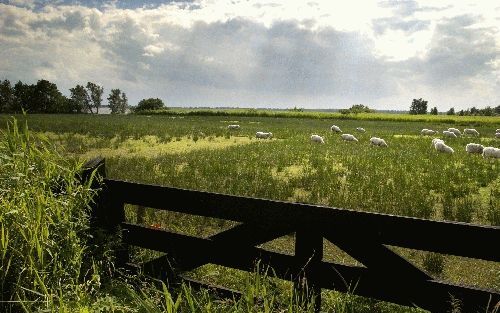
(335, 129)
(448, 133)
(474, 148)
(491, 152)
(497, 131)
(375, 141)
(440, 146)
(233, 126)
(317, 138)
(436, 140)
(471, 131)
(360, 129)
(264, 135)
(497, 135)
(427, 132)
(455, 131)
(349, 137)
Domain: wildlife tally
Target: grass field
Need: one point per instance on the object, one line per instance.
(198, 152)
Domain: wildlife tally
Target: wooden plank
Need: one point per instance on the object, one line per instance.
(243, 235)
(461, 239)
(357, 280)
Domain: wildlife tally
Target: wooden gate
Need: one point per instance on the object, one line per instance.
(364, 236)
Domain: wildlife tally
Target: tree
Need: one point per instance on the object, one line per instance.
(23, 94)
(434, 111)
(360, 108)
(46, 98)
(418, 106)
(80, 100)
(118, 101)
(7, 97)
(451, 111)
(497, 109)
(487, 111)
(95, 94)
(123, 103)
(149, 104)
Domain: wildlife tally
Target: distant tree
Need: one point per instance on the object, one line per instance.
(123, 103)
(80, 100)
(461, 113)
(95, 95)
(360, 108)
(451, 111)
(474, 111)
(434, 111)
(149, 104)
(118, 101)
(497, 110)
(296, 109)
(487, 111)
(23, 94)
(418, 106)
(7, 97)
(47, 98)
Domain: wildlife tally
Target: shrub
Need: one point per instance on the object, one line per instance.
(149, 104)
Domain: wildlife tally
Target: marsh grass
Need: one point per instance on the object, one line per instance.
(407, 178)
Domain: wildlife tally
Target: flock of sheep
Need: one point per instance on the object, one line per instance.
(438, 144)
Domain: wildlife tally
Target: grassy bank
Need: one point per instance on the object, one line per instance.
(451, 119)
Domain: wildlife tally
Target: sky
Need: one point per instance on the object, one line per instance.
(280, 54)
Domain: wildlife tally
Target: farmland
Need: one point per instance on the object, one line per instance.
(198, 152)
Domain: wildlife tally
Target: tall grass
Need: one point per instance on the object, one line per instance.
(43, 221)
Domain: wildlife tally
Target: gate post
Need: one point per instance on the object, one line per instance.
(309, 253)
(107, 210)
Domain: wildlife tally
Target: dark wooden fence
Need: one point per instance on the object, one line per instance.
(364, 236)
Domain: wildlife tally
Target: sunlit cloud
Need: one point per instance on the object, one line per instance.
(320, 54)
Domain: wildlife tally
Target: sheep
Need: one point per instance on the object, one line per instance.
(497, 131)
(360, 129)
(440, 146)
(448, 133)
(427, 132)
(474, 148)
(335, 129)
(375, 141)
(436, 140)
(491, 152)
(454, 130)
(497, 135)
(233, 126)
(264, 135)
(317, 138)
(348, 137)
(471, 131)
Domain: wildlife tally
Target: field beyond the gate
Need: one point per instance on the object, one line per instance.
(198, 152)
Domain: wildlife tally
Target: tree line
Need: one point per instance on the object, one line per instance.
(419, 106)
(45, 97)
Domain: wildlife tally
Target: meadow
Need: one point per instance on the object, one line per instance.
(198, 152)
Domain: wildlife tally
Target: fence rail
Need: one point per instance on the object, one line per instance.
(364, 236)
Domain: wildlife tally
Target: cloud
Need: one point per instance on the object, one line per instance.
(458, 52)
(381, 25)
(206, 53)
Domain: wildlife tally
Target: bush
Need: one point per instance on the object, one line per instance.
(149, 104)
